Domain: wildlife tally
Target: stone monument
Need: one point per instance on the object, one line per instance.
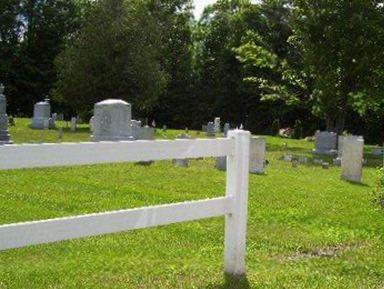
(42, 114)
(210, 129)
(73, 124)
(4, 135)
(112, 121)
(146, 133)
(227, 127)
(217, 125)
(184, 163)
(257, 152)
(326, 143)
(136, 127)
(352, 158)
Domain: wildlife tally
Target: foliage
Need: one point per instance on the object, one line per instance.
(378, 193)
(341, 43)
(114, 55)
(275, 128)
(298, 130)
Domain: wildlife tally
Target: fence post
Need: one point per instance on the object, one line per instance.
(237, 189)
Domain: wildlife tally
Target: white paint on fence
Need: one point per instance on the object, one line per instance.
(53, 230)
(64, 154)
(233, 205)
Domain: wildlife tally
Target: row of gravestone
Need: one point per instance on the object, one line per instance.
(349, 151)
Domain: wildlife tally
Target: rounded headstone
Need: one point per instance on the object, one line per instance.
(112, 121)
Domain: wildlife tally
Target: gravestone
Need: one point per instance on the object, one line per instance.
(4, 135)
(326, 143)
(210, 129)
(257, 152)
(42, 114)
(73, 124)
(112, 121)
(136, 127)
(217, 125)
(227, 127)
(377, 151)
(146, 133)
(184, 163)
(352, 158)
(221, 162)
(91, 123)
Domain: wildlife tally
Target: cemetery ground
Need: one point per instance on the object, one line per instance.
(306, 228)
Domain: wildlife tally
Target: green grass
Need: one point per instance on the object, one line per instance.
(307, 228)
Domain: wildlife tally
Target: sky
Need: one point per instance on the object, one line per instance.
(199, 6)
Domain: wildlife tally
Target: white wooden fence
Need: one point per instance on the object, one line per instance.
(233, 205)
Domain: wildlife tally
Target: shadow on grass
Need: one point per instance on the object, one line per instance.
(232, 282)
(357, 184)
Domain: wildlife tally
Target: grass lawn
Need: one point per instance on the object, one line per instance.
(307, 228)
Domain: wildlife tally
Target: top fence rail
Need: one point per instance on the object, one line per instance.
(67, 154)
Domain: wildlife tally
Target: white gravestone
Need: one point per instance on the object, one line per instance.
(91, 123)
(112, 121)
(326, 143)
(184, 163)
(352, 158)
(257, 152)
(73, 124)
(4, 135)
(217, 125)
(42, 113)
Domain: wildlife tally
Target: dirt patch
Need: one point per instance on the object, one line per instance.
(321, 252)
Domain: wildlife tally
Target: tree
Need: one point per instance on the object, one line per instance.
(341, 43)
(114, 55)
(176, 105)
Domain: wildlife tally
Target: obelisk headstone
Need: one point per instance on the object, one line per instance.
(4, 135)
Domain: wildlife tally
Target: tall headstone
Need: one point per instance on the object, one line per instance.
(184, 163)
(91, 123)
(210, 129)
(217, 125)
(4, 135)
(227, 127)
(257, 152)
(352, 158)
(112, 121)
(326, 143)
(73, 124)
(42, 113)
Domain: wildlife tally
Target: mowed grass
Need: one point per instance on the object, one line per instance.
(307, 228)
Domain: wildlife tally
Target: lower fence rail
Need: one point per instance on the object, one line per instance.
(54, 230)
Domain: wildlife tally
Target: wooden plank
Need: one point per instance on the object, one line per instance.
(48, 155)
(53, 230)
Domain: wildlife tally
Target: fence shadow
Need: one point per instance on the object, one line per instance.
(231, 282)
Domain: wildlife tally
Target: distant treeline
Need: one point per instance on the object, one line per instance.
(319, 62)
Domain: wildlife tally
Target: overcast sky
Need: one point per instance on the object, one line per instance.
(199, 6)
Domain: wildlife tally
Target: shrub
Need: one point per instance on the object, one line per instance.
(275, 129)
(378, 193)
(298, 130)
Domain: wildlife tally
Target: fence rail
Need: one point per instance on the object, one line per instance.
(233, 205)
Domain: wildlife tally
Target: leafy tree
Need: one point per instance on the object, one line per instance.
(176, 105)
(341, 43)
(297, 130)
(275, 128)
(114, 55)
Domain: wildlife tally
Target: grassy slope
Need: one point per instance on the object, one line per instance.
(307, 229)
